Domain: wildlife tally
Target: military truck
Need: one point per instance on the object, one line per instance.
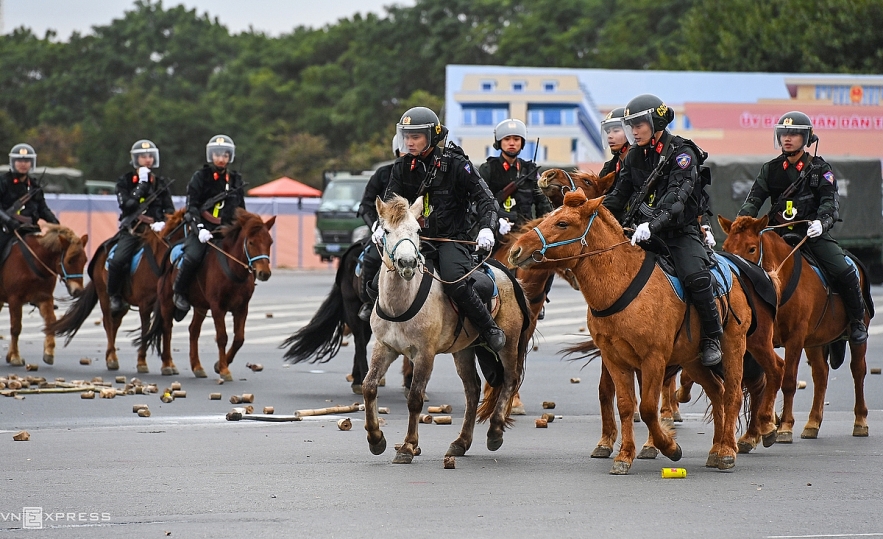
(337, 222)
(860, 185)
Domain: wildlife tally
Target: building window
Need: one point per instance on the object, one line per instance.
(488, 85)
(552, 114)
(491, 114)
(518, 86)
(550, 86)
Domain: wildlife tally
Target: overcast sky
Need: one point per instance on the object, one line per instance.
(271, 16)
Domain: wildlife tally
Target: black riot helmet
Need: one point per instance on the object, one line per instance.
(647, 108)
(423, 121)
(795, 122)
(21, 152)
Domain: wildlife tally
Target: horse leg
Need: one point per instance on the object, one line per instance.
(624, 382)
(221, 340)
(168, 365)
(422, 370)
(407, 374)
(858, 366)
(517, 405)
(12, 356)
(239, 317)
(733, 349)
(195, 329)
(47, 311)
(111, 327)
(673, 403)
(714, 390)
(381, 358)
(606, 394)
(361, 336)
(793, 351)
(683, 393)
(143, 313)
(504, 393)
(763, 389)
(660, 434)
(464, 360)
(816, 358)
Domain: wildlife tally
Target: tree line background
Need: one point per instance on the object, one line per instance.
(327, 98)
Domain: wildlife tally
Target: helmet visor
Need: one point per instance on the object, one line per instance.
(219, 148)
(782, 130)
(14, 158)
(414, 139)
(613, 132)
(634, 120)
(153, 152)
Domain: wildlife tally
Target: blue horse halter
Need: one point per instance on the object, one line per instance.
(250, 258)
(546, 245)
(572, 184)
(391, 253)
(64, 274)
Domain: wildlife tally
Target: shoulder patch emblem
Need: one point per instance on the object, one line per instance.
(468, 168)
(684, 160)
(829, 176)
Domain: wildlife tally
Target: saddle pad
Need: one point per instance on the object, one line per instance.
(176, 254)
(821, 273)
(485, 283)
(722, 273)
(135, 259)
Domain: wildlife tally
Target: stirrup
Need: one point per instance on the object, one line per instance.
(117, 305)
(858, 332)
(365, 312)
(495, 338)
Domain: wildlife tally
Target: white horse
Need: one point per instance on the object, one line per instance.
(434, 330)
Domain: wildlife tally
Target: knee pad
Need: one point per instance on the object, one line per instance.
(698, 281)
(848, 277)
(458, 291)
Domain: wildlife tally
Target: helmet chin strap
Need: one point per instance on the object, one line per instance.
(511, 154)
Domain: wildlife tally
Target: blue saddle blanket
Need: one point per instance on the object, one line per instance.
(176, 255)
(135, 259)
(824, 279)
(722, 273)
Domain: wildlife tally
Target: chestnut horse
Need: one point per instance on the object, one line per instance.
(140, 290)
(434, 328)
(646, 335)
(28, 275)
(808, 320)
(221, 285)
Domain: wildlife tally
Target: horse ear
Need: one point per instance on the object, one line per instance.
(270, 222)
(416, 208)
(378, 204)
(575, 199)
(84, 238)
(725, 223)
(605, 183)
(64, 242)
(764, 221)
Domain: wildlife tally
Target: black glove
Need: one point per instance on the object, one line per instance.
(9, 222)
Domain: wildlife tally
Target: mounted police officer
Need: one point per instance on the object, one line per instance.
(132, 189)
(22, 202)
(371, 259)
(446, 182)
(616, 140)
(670, 208)
(513, 180)
(803, 188)
(213, 194)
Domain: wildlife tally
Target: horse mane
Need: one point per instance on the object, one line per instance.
(742, 223)
(243, 221)
(51, 237)
(173, 221)
(398, 209)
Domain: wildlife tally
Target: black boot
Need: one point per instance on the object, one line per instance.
(182, 287)
(477, 313)
(115, 278)
(851, 292)
(369, 297)
(702, 296)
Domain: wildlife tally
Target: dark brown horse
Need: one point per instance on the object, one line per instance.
(809, 319)
(221, 286)
(647, 334)
(140, 291)
(29, 274)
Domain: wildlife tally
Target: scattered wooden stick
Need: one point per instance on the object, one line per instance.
(548, 405)
(344, 424)
(22, 436)
(425, 418)
(443, 409)
(34, 391)
(442, 420)
(328, 411)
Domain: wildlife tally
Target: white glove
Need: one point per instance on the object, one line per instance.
(815, 229)
(158, 226)
(709, 236)
(204, 235)
(505, 226)
(377, 234)
(485, 239)
(143, 174)
(642, 233)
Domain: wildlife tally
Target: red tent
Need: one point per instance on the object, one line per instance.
(284, 187)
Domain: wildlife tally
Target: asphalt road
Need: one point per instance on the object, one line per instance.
(95, 469)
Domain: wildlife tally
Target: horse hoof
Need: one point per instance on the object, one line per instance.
(455, 450)
(227, 377)
(785, 437)
(860, 431)
(494, 443)
(200, 373)
(175, 371)
(217, 368)
(809, 433)
(49, 359)
(637, 417)
(770, 438)
(676, 454)
(382, 382)
(620, 468)
(403, 458)
(602, 452)
(713, 460)
(357, 389)
(726, 463)
(745, 447)
(143, 369)
(648, 452)
(518, 410)
(379, 447)
(167, 371)
(677, 417)
(15, 362)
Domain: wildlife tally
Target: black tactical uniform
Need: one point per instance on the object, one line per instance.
(528, 201)
(815, 198)
(206, 186)
(13, 186)
(671, 209)
(368, 212)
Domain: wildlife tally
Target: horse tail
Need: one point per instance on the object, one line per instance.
(153, 337)
(586, 349)
(76, 314)
(320, 339)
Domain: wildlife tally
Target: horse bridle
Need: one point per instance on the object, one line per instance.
(547, 245)
(64, 274)
(250, 259)
(564, 188)
(391, 254)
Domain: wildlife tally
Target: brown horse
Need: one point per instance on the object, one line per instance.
(221, 286)
(140, 290)
(647, 334)
(808, 320)
(557, 182)
(29, 273)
